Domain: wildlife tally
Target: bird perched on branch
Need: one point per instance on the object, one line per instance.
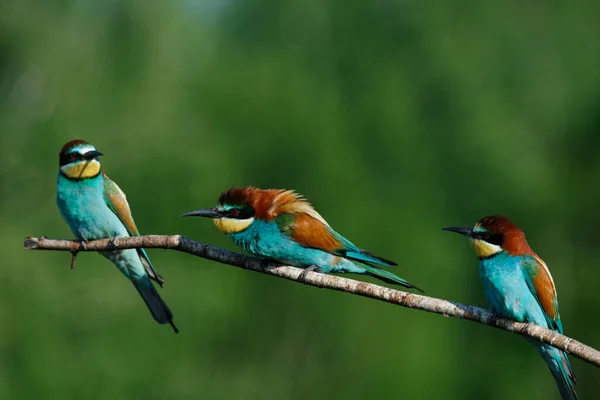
(518, 286)
(283, 226)
(94, 207)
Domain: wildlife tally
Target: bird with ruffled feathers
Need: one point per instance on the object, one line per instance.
(94, 207)
(518, 286)
(281, 225)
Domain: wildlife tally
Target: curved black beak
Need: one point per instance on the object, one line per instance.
(205, 212)
(90, 155)
(460, 230)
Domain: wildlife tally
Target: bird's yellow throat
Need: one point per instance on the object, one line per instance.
(232, 225)
(485, 249)
(82, 169)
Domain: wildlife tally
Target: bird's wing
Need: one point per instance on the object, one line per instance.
(542, 287)
(117, 201)
(314, 233)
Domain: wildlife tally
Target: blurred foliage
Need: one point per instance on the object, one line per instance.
(395, 118)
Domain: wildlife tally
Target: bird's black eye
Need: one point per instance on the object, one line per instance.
(72, 157)
(484, 236)
(234, 212)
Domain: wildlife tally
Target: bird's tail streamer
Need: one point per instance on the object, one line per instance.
(561, 370)
(159, 310)
(388, 277)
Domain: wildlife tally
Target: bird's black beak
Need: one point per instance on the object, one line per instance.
(461, 230)
(205, 212)
(90, 155)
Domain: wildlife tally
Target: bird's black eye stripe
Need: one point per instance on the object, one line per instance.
(495, 239)
(68, 158)
(241, 213)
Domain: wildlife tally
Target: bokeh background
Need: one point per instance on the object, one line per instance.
(395, 118)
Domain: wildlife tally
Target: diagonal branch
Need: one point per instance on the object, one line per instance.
(404, 299)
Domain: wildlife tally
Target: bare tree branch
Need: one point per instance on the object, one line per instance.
(404, 299)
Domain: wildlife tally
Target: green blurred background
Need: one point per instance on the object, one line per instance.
(395, 118)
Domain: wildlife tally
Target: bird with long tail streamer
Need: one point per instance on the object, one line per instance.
(518, 286)
(94, 207)
(281, 225)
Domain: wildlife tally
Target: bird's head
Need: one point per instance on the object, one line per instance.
(79, 160)
(238, 208)
(494, 234)
(234, 212)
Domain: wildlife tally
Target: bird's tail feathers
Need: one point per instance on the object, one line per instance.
(563, 374)
(159, 310)
(366, 257)
(388, 277)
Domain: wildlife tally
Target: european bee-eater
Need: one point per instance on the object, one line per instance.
(518, 286)
(283, 226)
(96, 208)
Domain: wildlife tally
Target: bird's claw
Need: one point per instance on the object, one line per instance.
(525, 328)
(302, 276)
(112, 243)
(493, 320)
